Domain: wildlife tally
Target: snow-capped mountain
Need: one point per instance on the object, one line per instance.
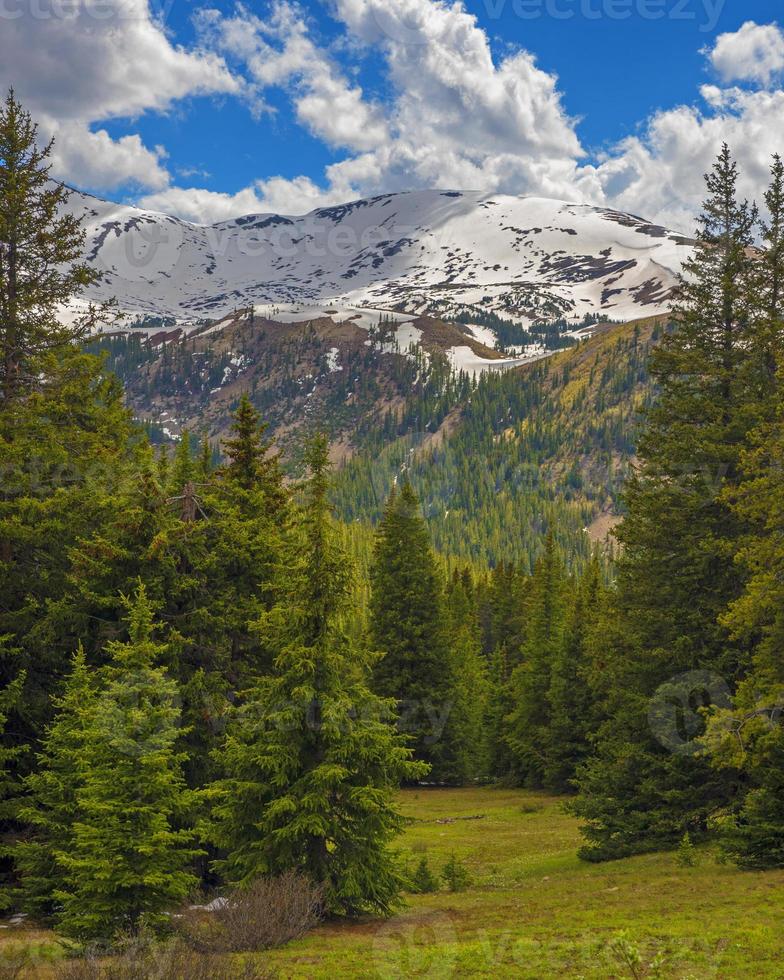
(434, 252)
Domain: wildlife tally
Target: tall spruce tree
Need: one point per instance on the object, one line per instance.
(252, 464)
(570, 695)
(749, 734)
(312, 759)
(466, 725)
(9, 788)
(63, 428)
(41, 247)
(527, 726)
(409, 626)
(129, 852)
(49, 809)
(676, 575)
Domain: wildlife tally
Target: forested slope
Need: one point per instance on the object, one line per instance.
(497, 461)
(545, 446)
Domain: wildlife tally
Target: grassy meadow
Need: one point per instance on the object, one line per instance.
(534, 910)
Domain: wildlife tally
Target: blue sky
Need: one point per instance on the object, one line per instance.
(613, 74)
(214, 109)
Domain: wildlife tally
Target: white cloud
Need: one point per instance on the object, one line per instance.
(445, 77)
(459, 118)
(754, 53)
(660, 174)
(278, 52)
(456, 117)
(301, 195)
(80, 63)
(95, 160)
(201, 205)
(276, 195)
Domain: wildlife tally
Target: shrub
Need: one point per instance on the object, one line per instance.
(687, 852)
(423, 880)
(267, 913)
(456, 875)
(14, 965)
(144, 959)
(631, 959)
(23, 961)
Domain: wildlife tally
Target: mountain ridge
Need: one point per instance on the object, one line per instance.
(440, 253)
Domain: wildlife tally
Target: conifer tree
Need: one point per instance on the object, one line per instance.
(250, 509)
(129, 854)
(252, 465)
(509, 593)
(749, 735)
(312, 759)
(770, 279)
(206, 461)
(49, 808)
(570, 697)
(63, 427)
(9, 787)
(465, 727)
(502, 763)
(527, 726)
(409, 626)
(184, 467)
(676, 575)
(40, 257)
(504, 602)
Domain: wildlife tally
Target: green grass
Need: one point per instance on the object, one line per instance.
(535, 911)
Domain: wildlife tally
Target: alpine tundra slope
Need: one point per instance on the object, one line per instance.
(423, 252)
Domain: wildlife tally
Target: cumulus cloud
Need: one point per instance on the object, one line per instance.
(455, 118)
(454, 115)
(754, 53)
(94, 159)
(659, 173)
(203, 206)
(79, 64)
(276, 195)
(446, 79)
(459, 118)
(277, 51)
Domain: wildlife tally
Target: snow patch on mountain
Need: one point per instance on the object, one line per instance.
(465, 360)
(423, 252)
(333, 360)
